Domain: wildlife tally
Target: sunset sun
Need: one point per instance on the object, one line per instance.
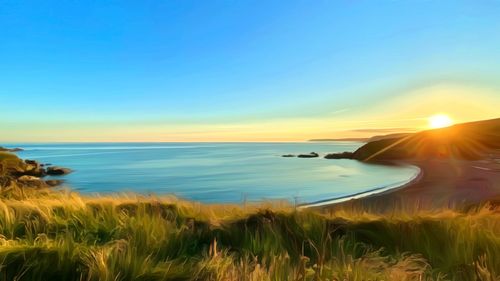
(440, 121)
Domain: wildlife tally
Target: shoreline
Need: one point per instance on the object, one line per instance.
(375, 191)
(442, 183)
(437, 183)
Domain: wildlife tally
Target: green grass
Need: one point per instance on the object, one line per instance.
(8, 160)
(59, 235)
(63, 236)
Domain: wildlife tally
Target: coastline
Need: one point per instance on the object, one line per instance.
(375, 191)
(292, 180)
(123, 230)
(442, 183)
(439, 182)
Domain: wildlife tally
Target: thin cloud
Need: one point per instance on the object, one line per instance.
(383, 130)
(339, 111)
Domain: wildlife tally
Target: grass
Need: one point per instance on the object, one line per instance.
(8, 160)
(64, 236)
(60, 235)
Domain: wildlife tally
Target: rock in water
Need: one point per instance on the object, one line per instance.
(310, 155)
(57, 171)
(341, 155)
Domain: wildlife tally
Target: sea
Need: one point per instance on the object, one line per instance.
(217, 172)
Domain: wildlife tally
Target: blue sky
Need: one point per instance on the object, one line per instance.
(241, 70)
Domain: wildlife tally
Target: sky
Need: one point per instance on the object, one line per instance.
(243, 70)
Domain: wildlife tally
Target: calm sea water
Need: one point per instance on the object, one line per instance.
(216, 172)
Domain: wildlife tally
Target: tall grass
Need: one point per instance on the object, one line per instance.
(64, 236)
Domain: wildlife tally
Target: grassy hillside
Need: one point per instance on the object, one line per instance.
(58, 236)
(462, 141)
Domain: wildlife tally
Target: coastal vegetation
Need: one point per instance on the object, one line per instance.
(57, 234)
(51, 235)
(466, 141)
(235, 140)
(60, 235)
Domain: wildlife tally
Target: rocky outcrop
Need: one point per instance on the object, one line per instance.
(31, 181)
(57, 171)
(33, 168)
(310, 155)
(14, 172)
(340, 155)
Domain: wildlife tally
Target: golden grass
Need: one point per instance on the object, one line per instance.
(64, 236)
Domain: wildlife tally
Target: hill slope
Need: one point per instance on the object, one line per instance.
(461, 141)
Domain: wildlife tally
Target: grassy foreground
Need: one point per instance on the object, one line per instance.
(63, 236)
(59, 235)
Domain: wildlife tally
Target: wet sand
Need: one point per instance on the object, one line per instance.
(443, 183)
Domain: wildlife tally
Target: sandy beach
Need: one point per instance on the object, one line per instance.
(443, 183)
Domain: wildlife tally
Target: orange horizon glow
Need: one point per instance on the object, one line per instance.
(405, 113)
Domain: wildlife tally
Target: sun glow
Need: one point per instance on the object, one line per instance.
(440, 121)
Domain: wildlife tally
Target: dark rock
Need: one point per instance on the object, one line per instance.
(37, 172)
(31, 162)
(57, 171)
(16, 170)
(310, 155)
(33, 168)
(287, 155)
(341, 155)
